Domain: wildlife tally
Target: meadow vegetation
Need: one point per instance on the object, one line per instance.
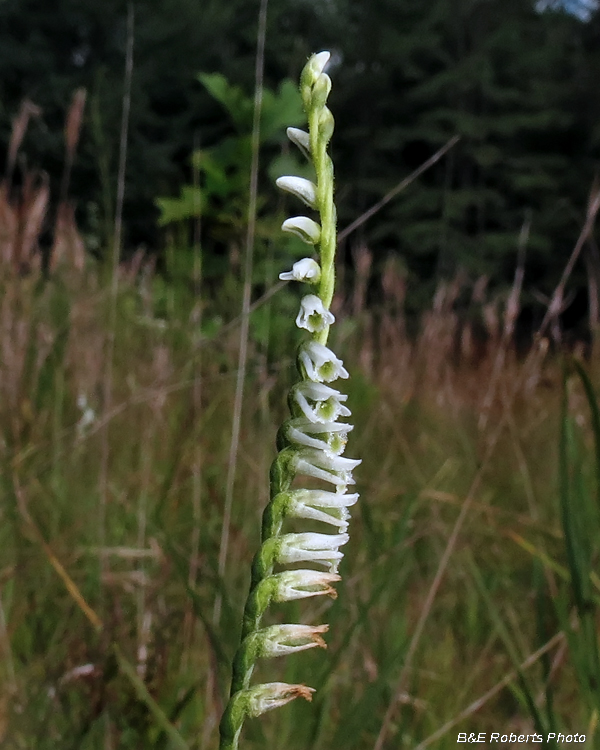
(469, 592)
(106, 617)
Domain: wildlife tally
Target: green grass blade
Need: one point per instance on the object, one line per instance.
(142, 692)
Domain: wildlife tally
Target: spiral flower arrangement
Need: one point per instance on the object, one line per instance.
(310, 443)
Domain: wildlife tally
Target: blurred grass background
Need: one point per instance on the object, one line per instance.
(440, 435)
(470, 585)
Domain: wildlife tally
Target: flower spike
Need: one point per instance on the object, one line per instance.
(310, 444)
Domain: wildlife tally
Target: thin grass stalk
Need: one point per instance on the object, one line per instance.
(578, 527)
(400, 685)
(510, 319)
(112, 323)
(245, 318)
(556, 304)
(477, 705)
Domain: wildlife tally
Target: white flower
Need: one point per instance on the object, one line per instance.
(307, 270)
(326, 406)
(307, 229)
(301, 188)
(300, 584)
(313, 315)
(298, 431)
(310, 546)
(301, 139)
(320, 363)
(270, 695)
(281, 640)
(326, 466)
(309, 504)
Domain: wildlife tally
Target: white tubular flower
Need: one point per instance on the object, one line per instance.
(301, 139)
(326, 466)
(301, 188)
(320, 505)
(309, 80)
(320, 363)
(281, 640)
(313, 316)
(326, 403)
(270, 695)
(307, 229)
(310, 546)
(298, 431)
(307, 270)
(301, 584)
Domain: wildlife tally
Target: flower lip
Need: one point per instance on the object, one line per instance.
(313, 315)
(307, 270)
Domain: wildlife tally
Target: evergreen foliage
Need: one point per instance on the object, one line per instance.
(518, 85)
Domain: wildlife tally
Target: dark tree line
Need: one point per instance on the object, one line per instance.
(519, 86)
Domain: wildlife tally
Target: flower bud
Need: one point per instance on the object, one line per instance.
(326, 124)
(310, 75)
(320, 91)
(307, 229)
(301, 139)
(307, 270)
(300, 187)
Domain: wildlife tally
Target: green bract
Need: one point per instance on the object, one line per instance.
(310, 443)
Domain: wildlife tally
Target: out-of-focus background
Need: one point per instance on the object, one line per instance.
(466, 304)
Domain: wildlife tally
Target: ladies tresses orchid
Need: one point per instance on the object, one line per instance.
(310, 443)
